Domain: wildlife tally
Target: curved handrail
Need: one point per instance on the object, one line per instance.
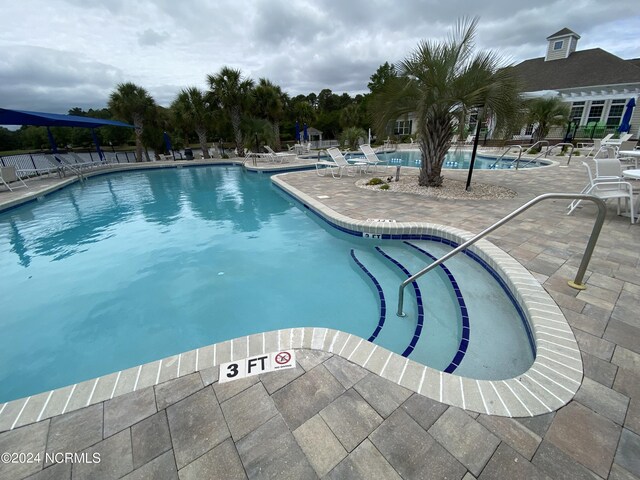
(551, 148)
(576, 283)
(519, 147)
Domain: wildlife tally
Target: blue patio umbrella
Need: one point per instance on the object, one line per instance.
(167, 142)
(625, 125)
(97, 144)
(305, 134)
(297, 131)
(52, 142)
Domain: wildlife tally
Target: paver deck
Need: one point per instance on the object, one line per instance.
(330, 418)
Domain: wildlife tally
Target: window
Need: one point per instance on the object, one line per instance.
(558, 45)
(595, 112)
(577, 108)
(403, 127)
(615, 113)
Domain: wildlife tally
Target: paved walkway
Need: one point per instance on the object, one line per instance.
(329, 418)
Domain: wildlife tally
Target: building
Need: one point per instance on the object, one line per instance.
(595, 83)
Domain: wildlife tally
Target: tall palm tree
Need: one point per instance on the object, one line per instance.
(192, 113)
(231, 91)
(546, 112)
(438, 81)
(132, 103)
(269, 104)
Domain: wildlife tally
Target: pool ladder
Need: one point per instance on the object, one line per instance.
(586, 257)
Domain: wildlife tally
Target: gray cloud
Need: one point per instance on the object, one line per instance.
(150, 37)
(303, 46)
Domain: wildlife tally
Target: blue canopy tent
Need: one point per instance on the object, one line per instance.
(41, 119)
(625, 124)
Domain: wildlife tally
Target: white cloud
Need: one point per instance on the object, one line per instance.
(58, 54)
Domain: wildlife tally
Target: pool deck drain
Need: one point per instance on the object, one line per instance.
(330, 417)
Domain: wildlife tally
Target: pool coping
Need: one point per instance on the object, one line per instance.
(550, 383)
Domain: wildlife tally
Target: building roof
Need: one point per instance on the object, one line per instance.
(593, 67)
(563, 33)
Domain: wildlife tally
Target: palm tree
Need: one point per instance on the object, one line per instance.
(269, 104)
(192, 113)
(132, 103)
(546, 112)
(438, 82)
(231, 92)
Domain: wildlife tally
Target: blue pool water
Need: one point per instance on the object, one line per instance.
(133, 267)
(455, 160)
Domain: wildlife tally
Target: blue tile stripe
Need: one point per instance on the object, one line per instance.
(464, 315)
(416, 289)
(383, 304)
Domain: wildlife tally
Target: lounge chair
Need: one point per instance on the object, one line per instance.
(339, 165)
(371, 158)
(9, 175)
(279, 156)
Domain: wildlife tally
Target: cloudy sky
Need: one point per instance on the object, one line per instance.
(59, 54)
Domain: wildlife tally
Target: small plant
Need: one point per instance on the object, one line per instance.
(576, 153)
(375, 181)
(224, 155)
(384, 187)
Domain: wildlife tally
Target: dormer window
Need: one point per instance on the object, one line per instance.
(558, 45)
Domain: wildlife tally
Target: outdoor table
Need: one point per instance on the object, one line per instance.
(635, 154)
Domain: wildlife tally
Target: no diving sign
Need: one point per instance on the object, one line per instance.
(247, 367)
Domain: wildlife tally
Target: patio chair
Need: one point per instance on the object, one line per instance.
(607, 184)
(279, 156)
(371, 158)
(339, 165)
(9, 175)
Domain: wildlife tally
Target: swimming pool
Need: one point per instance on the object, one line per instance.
(132, 267)
(459, 159)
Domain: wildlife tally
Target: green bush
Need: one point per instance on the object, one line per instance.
(375, 181)
(384, 187)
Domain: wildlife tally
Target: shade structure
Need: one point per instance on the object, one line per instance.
(42, 119)
(305, 134)
(97, 144)
(52, 141)
(625, 124)
(297, 131)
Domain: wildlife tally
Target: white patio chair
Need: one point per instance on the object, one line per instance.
(280, 157)
(339, 165)
(371, 158)
(9, 175)
(608, 183)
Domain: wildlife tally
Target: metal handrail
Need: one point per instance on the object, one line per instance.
(539, 142)
(553, 147)
(576, 283)
(519, 147)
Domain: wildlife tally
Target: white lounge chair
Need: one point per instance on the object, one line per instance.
(371, 158)
(279, 156)
(339, 165)
(9, 175)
